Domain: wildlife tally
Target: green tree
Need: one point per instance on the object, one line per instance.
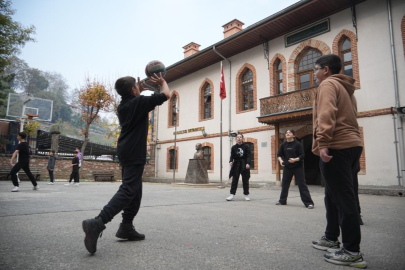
(12, 34)
(36, 82)
(5, 89)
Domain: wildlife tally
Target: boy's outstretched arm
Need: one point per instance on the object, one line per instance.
(162, 83)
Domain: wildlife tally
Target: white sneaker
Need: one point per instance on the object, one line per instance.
(68, 184)
(247, 198)
(230, 198)
(50, 183)
(15, 189)
(76, 184)
(35, 188)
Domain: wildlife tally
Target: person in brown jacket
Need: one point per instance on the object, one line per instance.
(336, 139)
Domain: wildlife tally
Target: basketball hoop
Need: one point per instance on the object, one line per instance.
(31, 116)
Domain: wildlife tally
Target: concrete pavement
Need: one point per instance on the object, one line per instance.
(186, 228)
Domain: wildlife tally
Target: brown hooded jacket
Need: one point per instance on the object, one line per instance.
(335, 115)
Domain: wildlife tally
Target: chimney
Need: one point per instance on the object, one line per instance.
(191, 49)
(232, 27)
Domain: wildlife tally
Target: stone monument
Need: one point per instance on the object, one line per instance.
(197, 168)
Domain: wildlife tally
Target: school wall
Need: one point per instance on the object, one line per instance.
(63, 169)
(375, 96)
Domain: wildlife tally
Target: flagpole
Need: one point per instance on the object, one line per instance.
(220, 140)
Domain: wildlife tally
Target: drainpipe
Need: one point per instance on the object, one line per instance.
(396, 145)
(229, 113)
(397, 103)
(156, 144)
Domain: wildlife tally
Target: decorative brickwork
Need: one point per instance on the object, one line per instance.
(63, 169)
(170, 110)
(168, 159)
(215, 135)
(273, 79)
(212, 154)
(201, 100)
(273, 154)
(295, 56)
(378, 112)
(256, 156)
(403, 32)
(239, 88)
(336, 47)
(304, 131)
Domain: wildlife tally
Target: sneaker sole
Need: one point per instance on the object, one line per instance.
(361, 265)
(85, 226)
(129, 239)
(324, 248)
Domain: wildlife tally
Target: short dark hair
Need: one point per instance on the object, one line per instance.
(124, 85)
(52, 151)
(23, 135)
(332, 61)
(290, 130)
(75, 152)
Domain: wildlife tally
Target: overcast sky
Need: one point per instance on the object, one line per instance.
(112, 38)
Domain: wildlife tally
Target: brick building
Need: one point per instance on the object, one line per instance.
(270, 88)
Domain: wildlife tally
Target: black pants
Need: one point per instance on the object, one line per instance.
(238, 170)
(75, 176)
(26, 167)
(50, 175)
(288, 174)
(341, 198)
(128, 197)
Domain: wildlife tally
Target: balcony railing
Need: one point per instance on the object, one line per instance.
(288, 102)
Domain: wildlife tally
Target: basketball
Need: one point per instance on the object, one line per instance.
(155, 67)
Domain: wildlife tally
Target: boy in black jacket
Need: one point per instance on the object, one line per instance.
(240, 165)
(23, 163)
(133, 116)
(290, 155)
(51, 166)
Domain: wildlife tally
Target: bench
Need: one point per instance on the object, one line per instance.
(5, 173)
(103, 176)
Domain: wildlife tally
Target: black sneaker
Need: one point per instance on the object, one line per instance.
(127, 231)
(93, 229)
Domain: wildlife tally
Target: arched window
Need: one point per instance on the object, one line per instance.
(207, 102)
(252, 155)
(279, 76)
(207, 156)
(345, 53)
(247, 90)
(174, 110)
(171, 153)
(305, 74)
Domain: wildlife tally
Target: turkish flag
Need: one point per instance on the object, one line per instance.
(222, 91)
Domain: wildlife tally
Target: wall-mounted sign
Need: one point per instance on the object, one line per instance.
(264, 144)
(307, 32)
(189, 130)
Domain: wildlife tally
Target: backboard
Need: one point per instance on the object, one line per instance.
(20, 104)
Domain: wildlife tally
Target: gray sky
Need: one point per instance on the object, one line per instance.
(108, 39)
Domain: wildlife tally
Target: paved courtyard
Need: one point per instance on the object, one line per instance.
(186, 228)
